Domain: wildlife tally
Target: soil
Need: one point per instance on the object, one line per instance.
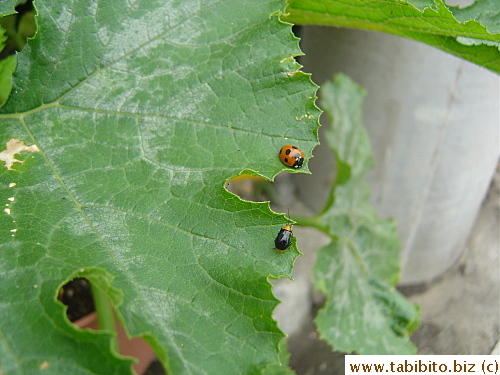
(77, 295)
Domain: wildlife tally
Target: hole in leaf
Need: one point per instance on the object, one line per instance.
(17, 28)
(282, 193)
(250, 187)
(77, 295)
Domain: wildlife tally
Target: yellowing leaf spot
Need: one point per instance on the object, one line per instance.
(44, 365)
(307, 116)
(15, 146)
(287, 58)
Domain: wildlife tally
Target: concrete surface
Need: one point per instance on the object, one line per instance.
(460, 310)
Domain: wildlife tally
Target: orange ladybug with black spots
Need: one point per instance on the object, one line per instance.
(291, 156)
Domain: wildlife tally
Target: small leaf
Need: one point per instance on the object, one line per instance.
(7, 67)
(355, 318)
(363, 312)
(347, 136)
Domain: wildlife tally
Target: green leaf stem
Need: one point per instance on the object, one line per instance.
(357, 271)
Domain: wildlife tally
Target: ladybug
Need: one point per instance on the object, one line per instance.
(284, 238)
(291, 156)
